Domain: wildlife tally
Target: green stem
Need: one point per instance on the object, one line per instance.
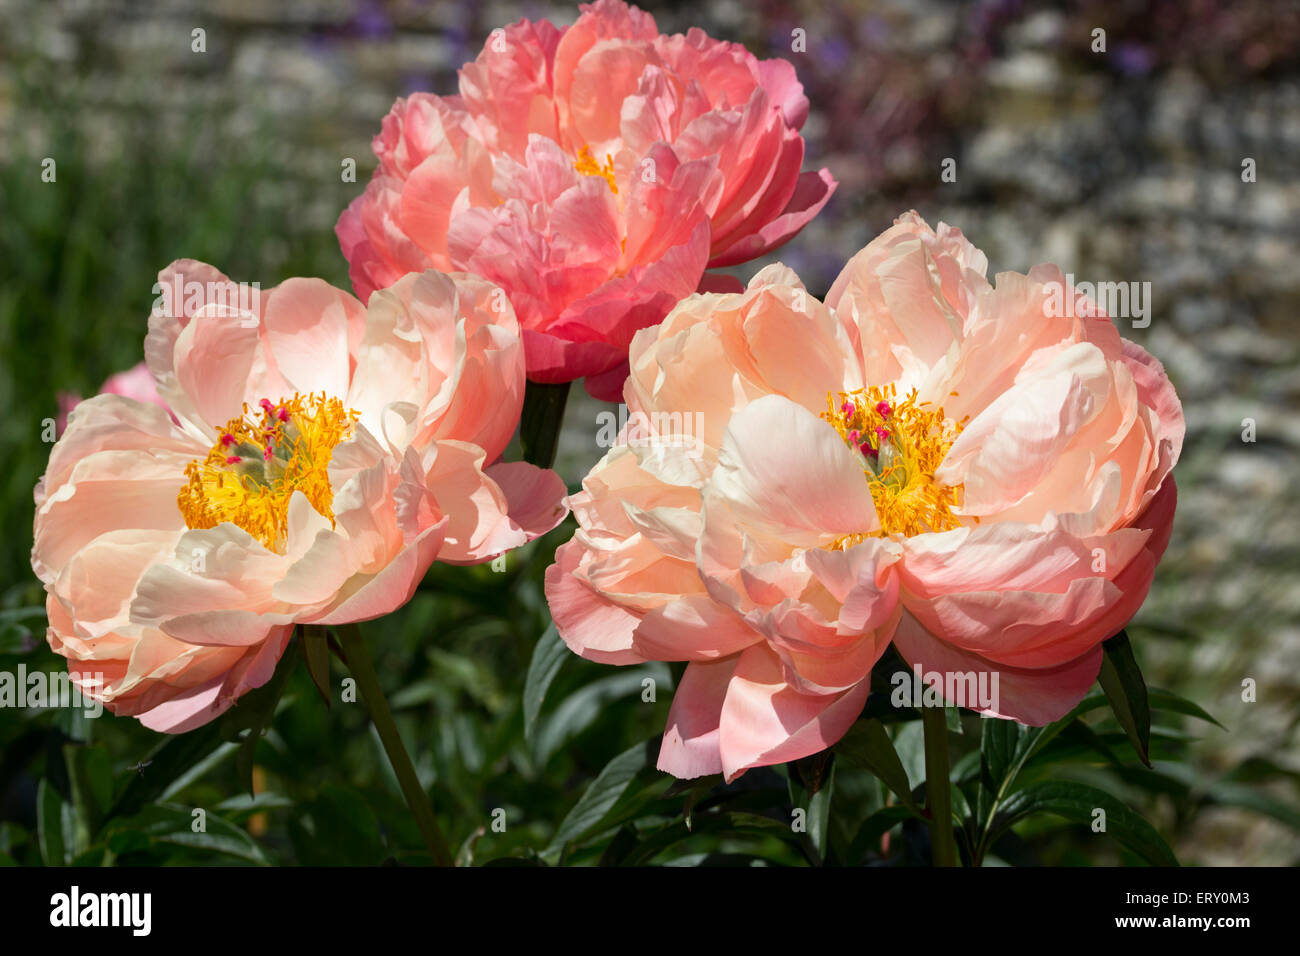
(358, 660)
(938, 798)
(539, 423)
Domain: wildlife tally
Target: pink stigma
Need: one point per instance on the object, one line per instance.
(227, 440)
(883, 409)
(848, 408)
(882, 433)
(854, 435)
(233, 460)
(867, 450)
(267, 406)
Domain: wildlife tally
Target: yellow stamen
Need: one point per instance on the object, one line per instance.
(260, 460)
(902, 443)
(588, 166)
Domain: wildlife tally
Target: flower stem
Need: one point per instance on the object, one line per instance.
(357, 657)
(539, 423)
(938, 798)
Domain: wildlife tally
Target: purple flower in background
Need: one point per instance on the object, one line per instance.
(371, 20)
(1134, 59)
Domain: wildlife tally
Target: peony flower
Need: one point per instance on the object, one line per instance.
(136, 382)
(926, 459)
(592, 172)
(322, 456)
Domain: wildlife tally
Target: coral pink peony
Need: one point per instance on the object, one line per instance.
(593, 172)
(926, 459)
(321, 456)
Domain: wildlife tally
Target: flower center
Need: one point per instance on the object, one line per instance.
(902, 443)
(588, 166)
(260, 460)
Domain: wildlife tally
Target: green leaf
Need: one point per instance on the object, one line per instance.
(729, 824)
(625, 841)
(1035, 739)
(909, 744)
(471, 674)
(171, 759)
(961, 810)
(953, 717)
(242, 806)
(1164, 700)
(316, 655)
(16, 637)
(199, 769)
(590, 703)
(1000, 741)
(1258, 769)
(1229, 791)
(1077, 802)
(122, 842)
(694, 791)
(600, 797)
(548, 655)
(75, 723)
(10, 614)
(55, 825)
(810, 772)
(966, 767)
(515, 861)
(94, 856)
(337, 827)
(172, 824)
(176, 757)
(1080, 734)
(1228, 794)
(816, 805)
(12, 836)
(873, 828)
(248, 719)
(1121, 679)
(90, 780)
(867, 745)
(819, 815)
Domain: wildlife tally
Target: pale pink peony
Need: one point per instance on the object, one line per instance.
(322, 455)
(593, 172)
(925, 458)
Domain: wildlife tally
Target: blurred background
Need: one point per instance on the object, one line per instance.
(1124, 165)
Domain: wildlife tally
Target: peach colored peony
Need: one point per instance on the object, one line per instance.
(593, 172)
(323, 454)
(926, 459)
